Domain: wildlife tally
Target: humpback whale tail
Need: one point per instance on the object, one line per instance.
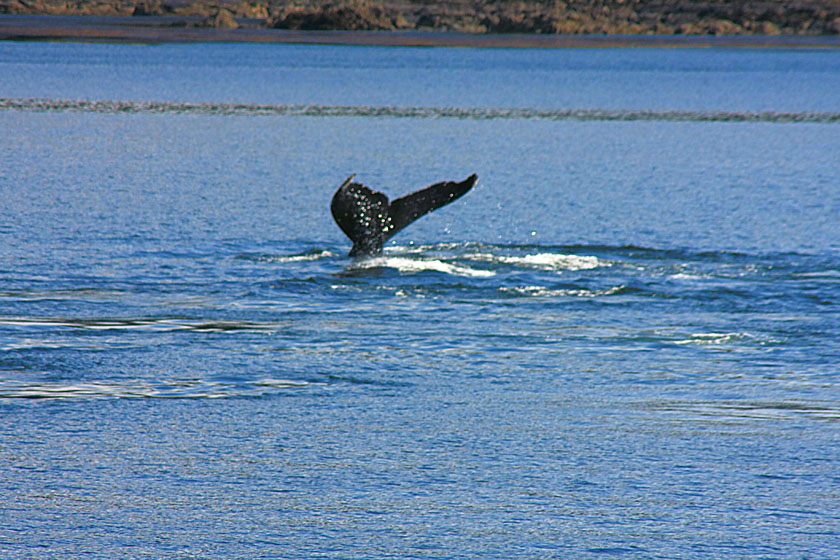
(369, 220)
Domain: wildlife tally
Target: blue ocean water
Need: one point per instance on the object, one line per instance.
(622, 343)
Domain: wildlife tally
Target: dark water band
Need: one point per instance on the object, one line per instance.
(225, 109)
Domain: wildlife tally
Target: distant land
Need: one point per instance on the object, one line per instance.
(570, 17)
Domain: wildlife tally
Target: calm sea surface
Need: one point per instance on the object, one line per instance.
(624, 342)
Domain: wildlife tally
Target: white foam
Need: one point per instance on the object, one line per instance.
(713, 339)
(303, 258)
(416, 249)
(405, 264)
(544, 261)
(541, 291)
(685, 276)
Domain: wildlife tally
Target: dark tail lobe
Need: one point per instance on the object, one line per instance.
(407, 209)
(362, 214)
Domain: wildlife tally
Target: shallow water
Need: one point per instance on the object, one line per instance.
(623, 342)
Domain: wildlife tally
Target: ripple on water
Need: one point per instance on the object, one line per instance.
(186, 389)
(750, 410)
(473, 113)
(160, 324)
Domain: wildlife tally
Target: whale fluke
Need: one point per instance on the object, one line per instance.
(367, 218)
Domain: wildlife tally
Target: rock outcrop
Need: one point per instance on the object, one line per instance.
(356, 15)
(222, 19)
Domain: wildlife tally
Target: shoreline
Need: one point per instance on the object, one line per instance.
(162, 30)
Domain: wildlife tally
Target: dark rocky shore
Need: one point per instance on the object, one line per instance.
(570, 17)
